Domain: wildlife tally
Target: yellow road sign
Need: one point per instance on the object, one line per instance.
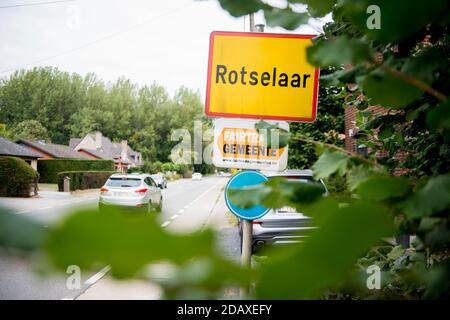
(262, 76)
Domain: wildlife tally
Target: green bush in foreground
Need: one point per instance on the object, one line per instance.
(16, 176)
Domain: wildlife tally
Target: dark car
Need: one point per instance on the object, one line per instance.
(283, 225)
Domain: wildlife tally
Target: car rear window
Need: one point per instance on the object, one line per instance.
(124, 182)
(302, 179)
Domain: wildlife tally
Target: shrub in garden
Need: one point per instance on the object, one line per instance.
(81, 180)
(16, 177)
(48, 169)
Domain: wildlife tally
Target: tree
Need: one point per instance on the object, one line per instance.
(328, 127)
(30, 130)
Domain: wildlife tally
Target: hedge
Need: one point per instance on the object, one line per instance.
(80, 180)
(48, 169)
(17, 177)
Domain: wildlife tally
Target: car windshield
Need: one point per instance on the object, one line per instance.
(124, 182)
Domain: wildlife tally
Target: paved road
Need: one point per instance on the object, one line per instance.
(187, 205)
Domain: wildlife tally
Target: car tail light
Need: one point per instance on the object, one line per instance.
(103, 190)
(143, 190)
(256, 222)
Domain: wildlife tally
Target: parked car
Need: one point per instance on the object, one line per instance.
(283, 225)
(160, 180)
(196, 176)
(133, 190)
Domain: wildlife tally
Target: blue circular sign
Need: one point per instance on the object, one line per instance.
(241, 180)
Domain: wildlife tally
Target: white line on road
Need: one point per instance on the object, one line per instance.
(186, 206)
(97, 276)
(200, 196)
(174, 217)
(165, 224)
(23, 211)
(180, 211)
(90, 282)
(44, 208)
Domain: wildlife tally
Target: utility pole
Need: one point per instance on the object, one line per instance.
(247, 225)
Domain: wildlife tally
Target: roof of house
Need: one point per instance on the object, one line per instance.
(54, 150)
(9, 148)
(108, 149)
(74, 142)
(99, 154)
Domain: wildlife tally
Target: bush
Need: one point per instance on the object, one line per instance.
(16, 177)
(81, 180)
(48, 169)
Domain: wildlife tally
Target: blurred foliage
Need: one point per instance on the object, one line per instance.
(328, 126)
(404, 66)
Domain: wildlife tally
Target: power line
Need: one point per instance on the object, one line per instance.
(112, 35)
(35, 4)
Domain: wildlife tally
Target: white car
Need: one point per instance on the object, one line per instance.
(196, 176)
(133, 190)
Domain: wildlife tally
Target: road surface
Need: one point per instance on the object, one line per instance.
(187, 205)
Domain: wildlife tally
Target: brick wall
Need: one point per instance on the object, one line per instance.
(350, 124)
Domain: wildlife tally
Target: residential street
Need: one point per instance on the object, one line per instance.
(187, 205)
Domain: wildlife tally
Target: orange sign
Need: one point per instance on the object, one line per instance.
(237, 144)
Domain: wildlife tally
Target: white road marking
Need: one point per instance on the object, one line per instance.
(180, 211)
(90, 282)
(23, 211)
(186, 206)
(97, 276)
(174, 217)
(44, 208)
(200, 196)
(165, 224)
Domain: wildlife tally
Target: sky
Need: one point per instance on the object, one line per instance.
(146, 41)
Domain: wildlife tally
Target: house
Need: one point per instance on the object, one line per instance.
(49, 151)
(11, 149)
(96, 146)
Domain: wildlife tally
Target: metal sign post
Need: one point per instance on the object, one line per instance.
(242, 180)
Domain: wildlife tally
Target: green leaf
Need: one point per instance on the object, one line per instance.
(438, 118)
(412, 115)
(389, 91)
(269, 131)
(386, 131)
(383, 187)
(339, 51)
(124, 240)
(329, 163)
(433, 197)
(238, 8)
(344, 234)
(400, 19)
(276, 193)
(396, 253)
(357, 175)
(317, 8)
(285, 18)
(19, 232)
